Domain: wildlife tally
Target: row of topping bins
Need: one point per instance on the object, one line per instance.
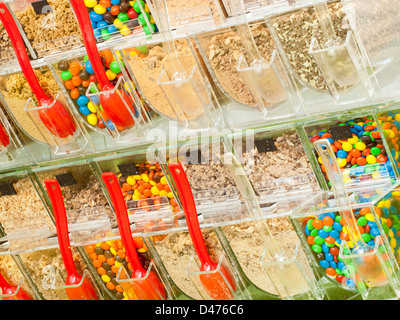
(153, 170)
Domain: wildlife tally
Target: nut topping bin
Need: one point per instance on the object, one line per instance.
(50, 26)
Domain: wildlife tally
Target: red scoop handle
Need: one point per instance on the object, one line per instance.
(90, 42)
(113, 188)
(60, 215)
(4, 138)
(8, 289)
(182, 184)
(20, 51)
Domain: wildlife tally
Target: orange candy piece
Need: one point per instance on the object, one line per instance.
(330, 272)
(317, 224)
(328, 221)
(74, 68)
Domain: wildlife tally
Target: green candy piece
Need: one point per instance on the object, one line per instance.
(382, 249)
(338, 271)
(123, 17)
(66, 75)
(85, 58)
(338, 218)
(346, 273)
(114, 67)
(147, 30)
(142, 18)
(143, 49)
(362, 221)
(352, 123)
(309, 224)
(330, 245)
(366, 237)
(354, 165)
(375, 151)
(314, 233)
(316, 248)
(136, 6)
(105, 34)
(340, 259)
(341, 124)
(385, 228)
(93, 88)
(369, 168)
(327, 228)
(318, 240)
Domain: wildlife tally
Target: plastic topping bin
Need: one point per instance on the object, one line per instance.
(11, 273)
(86, 204)
(146, 189)
(47, 271)
(36, 122)
(275, 163)
(77, 77)
(260, 7)
(359, 150)
(175, 250)
(50, 27)
(116, 20)
(264, 89)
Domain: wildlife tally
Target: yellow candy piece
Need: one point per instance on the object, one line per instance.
(152, 20)
(145, 177)
(113, 251)
(346, 172)
(154, 190)
(163, 193)
(100, 9)
(131, 180)
(105, 278)
(118, 23)
(153, 183)
(369, 217)
(360, 146)
(133, 53)
(320, 160)
(90, 3)
(110, 75)
(350, 244)
(347, 146)
(136, 197)
(146, 8)
(393, 243)
(381, 204)
(142, 250)
(137, 177)
(118, 264)
(92, 119)
(397, 117)
(388, 204)
(163, 180)
(391, 234)
(353, 140)
(91, 107)
(125, 31)
(371, 159)
(342, 162)
(396, 193)
(136, 192)
(170, 195)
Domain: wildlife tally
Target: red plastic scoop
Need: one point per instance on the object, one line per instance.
(111, 102)
(84, 291)
(4, 139)
(56, 118)
(8, 289)
(149, 288)
(213, 283)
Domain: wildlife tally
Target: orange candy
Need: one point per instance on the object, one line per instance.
(331, 272)
(101, 258)
(74, 68)
(361, 161)
(76, 80)
(96, 263)
(330, 240)
(110, 285)
(74, 93)
(364, 211)
(101, 271)
(328, 221)
(317, 224)
(85, 83)
(138, 242)
(126, 187)
(111, 261)
(105, 3)
(69, 85)
(90, 248)
(93, 256)
(105, 246)
(310, 240)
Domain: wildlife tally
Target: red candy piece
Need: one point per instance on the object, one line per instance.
(339, 278)
(315, 138)
(334, 251)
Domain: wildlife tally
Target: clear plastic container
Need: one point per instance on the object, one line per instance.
(111, 21)
(276, 164)
(321, 51)
(87, 206)
(259, 8)
(50, 27)
(145, 186)
(175, 251)
(23, 208)
(359, 149)
(35, 122)
(76, 77)
(254, 92)
(47, 271)
(152, 72)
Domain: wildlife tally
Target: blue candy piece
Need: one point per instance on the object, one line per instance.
(88, 67)
(360, 134)
(321, 133)
(374, 232)
(358, 127)
(324, 264)
(307, 231)
(392, 210)
(94, 24)
(102, 24)
(386, 212)
(331, 141)
(353, 131)
(95, 17)
(321, 216)
(337, 226)
(328, 256)
(111, 28)
(84, 110)
(333, 264)
(334, 234)
(341, 265)
(371, 243)
(332, 215)
(115, 2)
(82, 101)
(350, 283)
(110, 125)
(372, 224)
(325, 248)
(323, 234)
